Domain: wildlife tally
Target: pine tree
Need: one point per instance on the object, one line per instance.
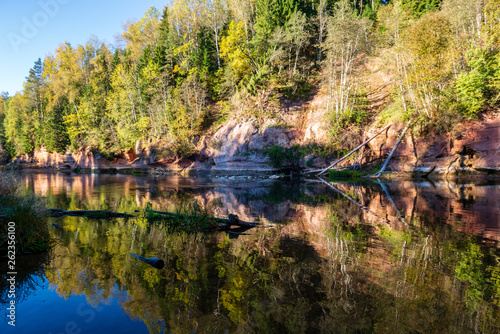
(163, 53)
(33, 88)
(56, 136)
(204, 57)
(116, 60)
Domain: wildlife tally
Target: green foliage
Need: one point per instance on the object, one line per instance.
(28, 212)
(233, 50)
(56, 136)
(348, 40)
(257, 82)
(296, 90)
(420, 7)
(204, 58)
(316, 149)
(474, 87)
(471, 268)
(163, 83)
(282, 156)
(429, 42)
(356, 116)
(394, 112)
(185, 220)
(345, 174)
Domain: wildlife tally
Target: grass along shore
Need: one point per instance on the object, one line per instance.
(29, 214)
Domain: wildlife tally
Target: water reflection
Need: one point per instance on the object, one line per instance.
(399, 257)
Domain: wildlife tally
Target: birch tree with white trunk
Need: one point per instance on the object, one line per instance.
(347, 40)
(215, 15)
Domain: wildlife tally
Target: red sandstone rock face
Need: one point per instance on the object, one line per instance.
(314, 124)
(82, 159)
(45, 159)
(237, 145)
(475, 145)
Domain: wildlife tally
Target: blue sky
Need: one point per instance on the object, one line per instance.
(30, 29)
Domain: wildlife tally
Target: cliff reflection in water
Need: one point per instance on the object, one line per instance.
(399, 257)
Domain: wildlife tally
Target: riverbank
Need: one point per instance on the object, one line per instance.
(256, 148)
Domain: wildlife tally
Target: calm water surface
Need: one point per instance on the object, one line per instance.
(397, 257)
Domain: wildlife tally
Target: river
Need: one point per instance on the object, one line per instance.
(366, 257)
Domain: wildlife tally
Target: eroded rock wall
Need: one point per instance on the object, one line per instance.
(238, 144)
(474, 146)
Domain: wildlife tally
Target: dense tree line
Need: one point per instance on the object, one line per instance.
(179, 70)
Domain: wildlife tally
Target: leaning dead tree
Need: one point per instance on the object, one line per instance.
(357, 148)
(401, 136)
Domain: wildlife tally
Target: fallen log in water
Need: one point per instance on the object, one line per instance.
(95, 214)
(152, 261)
(197, 222)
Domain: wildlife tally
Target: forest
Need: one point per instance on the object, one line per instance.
(183, 70)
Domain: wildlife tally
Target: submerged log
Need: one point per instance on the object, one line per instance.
(224, 224)
(152, 261)
(233, 220)
(96, 214)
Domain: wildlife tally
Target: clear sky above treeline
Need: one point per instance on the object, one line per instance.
(30, 29)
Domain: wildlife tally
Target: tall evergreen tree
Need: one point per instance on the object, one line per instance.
(33, 88)
(3, 138)
(205, 57)
(164, 53)
(56, 136)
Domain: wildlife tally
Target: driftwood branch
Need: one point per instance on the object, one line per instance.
(357, 148)
(97, 214)
(394, 149)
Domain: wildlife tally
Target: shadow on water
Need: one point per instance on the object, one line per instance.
(29, 277)
(367, 258)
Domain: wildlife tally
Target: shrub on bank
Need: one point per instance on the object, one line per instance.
(345, 174)
(28, 213)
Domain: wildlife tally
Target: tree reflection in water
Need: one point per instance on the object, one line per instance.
(328, 267)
